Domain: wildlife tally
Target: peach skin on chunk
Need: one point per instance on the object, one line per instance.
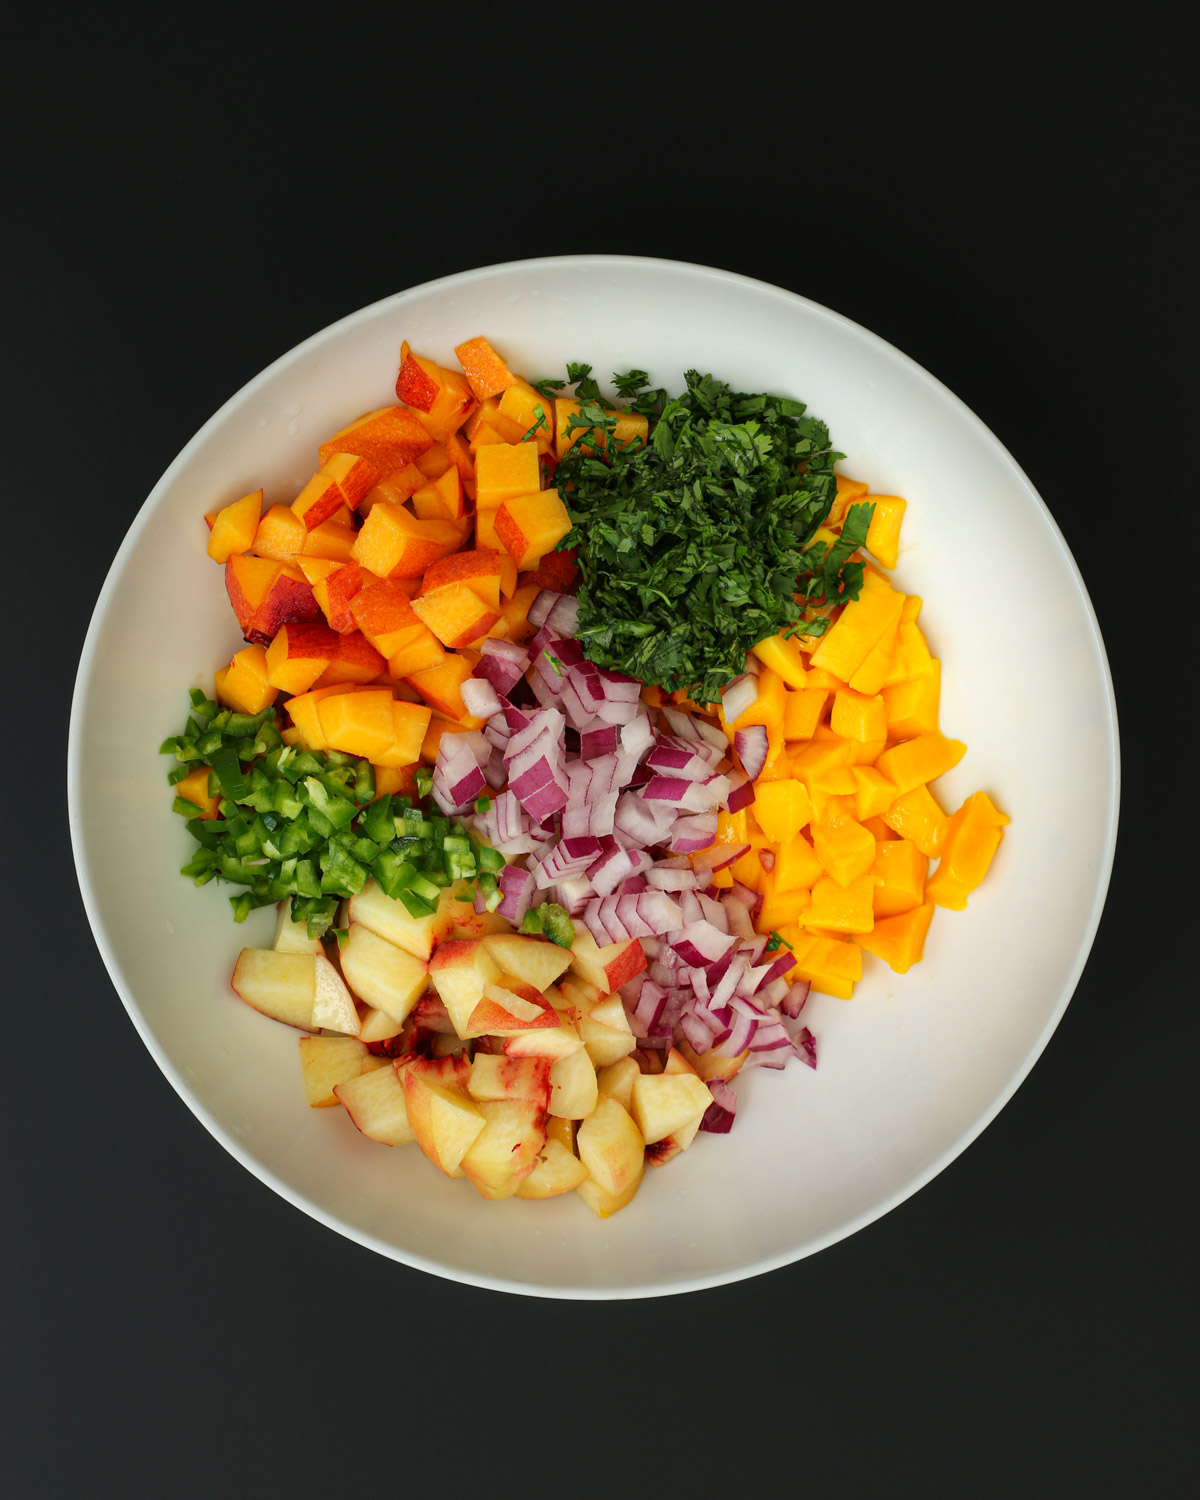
(395, 544)
(336, 592)
(266, 594)
(388, 439)
(529, 526)
(318, 500)
(486, 372)
(456, 614)
(440, 398)
(356, 661)
(383, 612)
(299, 654)
(481, 570)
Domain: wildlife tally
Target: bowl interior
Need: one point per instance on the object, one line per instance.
(909, 1071)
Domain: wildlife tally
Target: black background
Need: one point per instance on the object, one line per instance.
(1002, 208)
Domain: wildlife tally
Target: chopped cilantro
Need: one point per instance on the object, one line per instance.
(697, 545)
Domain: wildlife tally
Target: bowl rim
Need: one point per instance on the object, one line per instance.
(80, 853)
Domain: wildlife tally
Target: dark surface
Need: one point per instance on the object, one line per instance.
(1004, 214)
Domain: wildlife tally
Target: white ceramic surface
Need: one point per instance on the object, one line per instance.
(910, 1071)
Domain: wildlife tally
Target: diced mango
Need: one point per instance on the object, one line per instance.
(845, 849)
(883, 534)
(914, 762)
(782, 654)
(831, 965)
(900, 940)
(845, 645)
(873, 792)
(781, 808)
(796, 867)
(972, 837)
(802, 712)
(899, 874)
(912, 707)
(856, 717)
(841, 908)
(918, 816)
(780, 908)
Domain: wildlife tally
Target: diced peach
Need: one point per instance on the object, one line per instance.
(398, 486)
(529, 526)
(233, 527)
(244, 685)
(388, 439)
(354, 475)
(485, 530)
(383, 612)
(418, 652)
(441, 686)
(533, 413)
(318, 500)
(266, 594)
(455, 613)
(410, 722)
(316, 569)
(442, 498)
(486, 372)
(460, 456)
(486, 426)
(332, 540)
(557, 571)
(632, 427)
(299, 654)
(480, 569)
(503, 471)
(303, 709)
(395, 544)
(441, 399)
(358, 723)
(433, 463)
(194, 789)
(356, 661)
(280, 534)
(336, 592)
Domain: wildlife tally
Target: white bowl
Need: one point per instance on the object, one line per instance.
(910, 1071)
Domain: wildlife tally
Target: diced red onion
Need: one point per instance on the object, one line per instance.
(516, 893)
(739, 695)
(692, 834)
(741, 792)
(719, 1116)
(659, 912)
(701, 944)
(750, 746)
(793, 1002)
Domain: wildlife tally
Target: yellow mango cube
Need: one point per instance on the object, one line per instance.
(972, 837)
(796, 867)
(845, 645)
(918, 816)
(883, 534)
(923, 759)
(912, 657)
(831, 965)
(838, 908)
(802, 712)
(782, 654)
(857, 717)
(900, 940)
(899, 874)
(873, 792)
(780, 908)
(912, 707)
(877, 665)
(781, 808)
(845, 849)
